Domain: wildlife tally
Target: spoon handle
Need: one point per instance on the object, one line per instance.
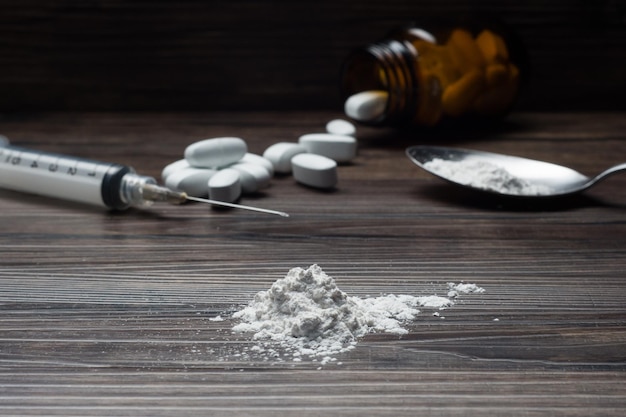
(613, 170)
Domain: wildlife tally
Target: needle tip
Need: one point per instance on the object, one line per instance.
(239, 206)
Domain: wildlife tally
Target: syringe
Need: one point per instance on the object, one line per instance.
(103, 184)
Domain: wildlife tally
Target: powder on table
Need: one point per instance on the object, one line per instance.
(305, 313)
(456, 289)
(484, 175)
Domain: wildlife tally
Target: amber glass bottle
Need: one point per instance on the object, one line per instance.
(422, 77)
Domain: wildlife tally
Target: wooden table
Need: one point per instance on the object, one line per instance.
(110, 313)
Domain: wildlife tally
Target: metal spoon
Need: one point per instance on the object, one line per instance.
(503, 174)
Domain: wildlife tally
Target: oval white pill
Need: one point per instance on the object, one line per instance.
(173, 167)
(314, 170)
(339, 148)
(225, 185)
(366, 106)
(216, 152)
(253, 177)
(340, 127)
(253, 158)
(193, 181)
(281, 153)
(423, 35)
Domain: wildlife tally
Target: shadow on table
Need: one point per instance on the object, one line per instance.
(447, 135)
(451, 194)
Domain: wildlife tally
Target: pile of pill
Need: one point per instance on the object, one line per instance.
(463, 75)
(222, 168)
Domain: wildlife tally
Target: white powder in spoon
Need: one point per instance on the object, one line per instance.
(305, 313)
(484, 175)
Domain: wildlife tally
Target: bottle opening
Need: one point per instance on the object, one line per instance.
(382, 76)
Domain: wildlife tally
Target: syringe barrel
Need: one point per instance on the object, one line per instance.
(63, 177)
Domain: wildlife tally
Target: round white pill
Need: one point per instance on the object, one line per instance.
(281, 153)
(340, 127)
(173, 167)
(193, 181)
(225, 185)
(253, 177)
(314, 170)
(366, 106)
(339, 148)
(253, 158)
(216, 152)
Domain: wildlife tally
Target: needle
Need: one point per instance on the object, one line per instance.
(155, 192)
(238, 206)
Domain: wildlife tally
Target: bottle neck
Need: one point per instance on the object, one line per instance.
(389, 66)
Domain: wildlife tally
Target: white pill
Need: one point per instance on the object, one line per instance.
(193, 181)
(281, 153)
(216, 152)
(314, 170)
(336, 147)
(340, 127)
(173, 167)
(366, 106)
(253, 177)
(225, 185)
(253, 158)
(423, 35)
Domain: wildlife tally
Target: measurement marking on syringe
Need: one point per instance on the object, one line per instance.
(13, 159)
(54, 166)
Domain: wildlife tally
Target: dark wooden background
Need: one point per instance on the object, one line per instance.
(251, 54)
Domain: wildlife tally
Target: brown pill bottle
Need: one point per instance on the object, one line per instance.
(424, 77)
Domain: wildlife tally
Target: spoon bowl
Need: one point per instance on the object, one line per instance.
(503, 174)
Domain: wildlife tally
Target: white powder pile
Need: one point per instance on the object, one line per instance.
(306, 314)
(484, 175)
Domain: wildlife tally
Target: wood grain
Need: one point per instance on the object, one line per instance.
(254, 55)
(110, 313)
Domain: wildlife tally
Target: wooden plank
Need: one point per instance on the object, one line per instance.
(105, 313)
